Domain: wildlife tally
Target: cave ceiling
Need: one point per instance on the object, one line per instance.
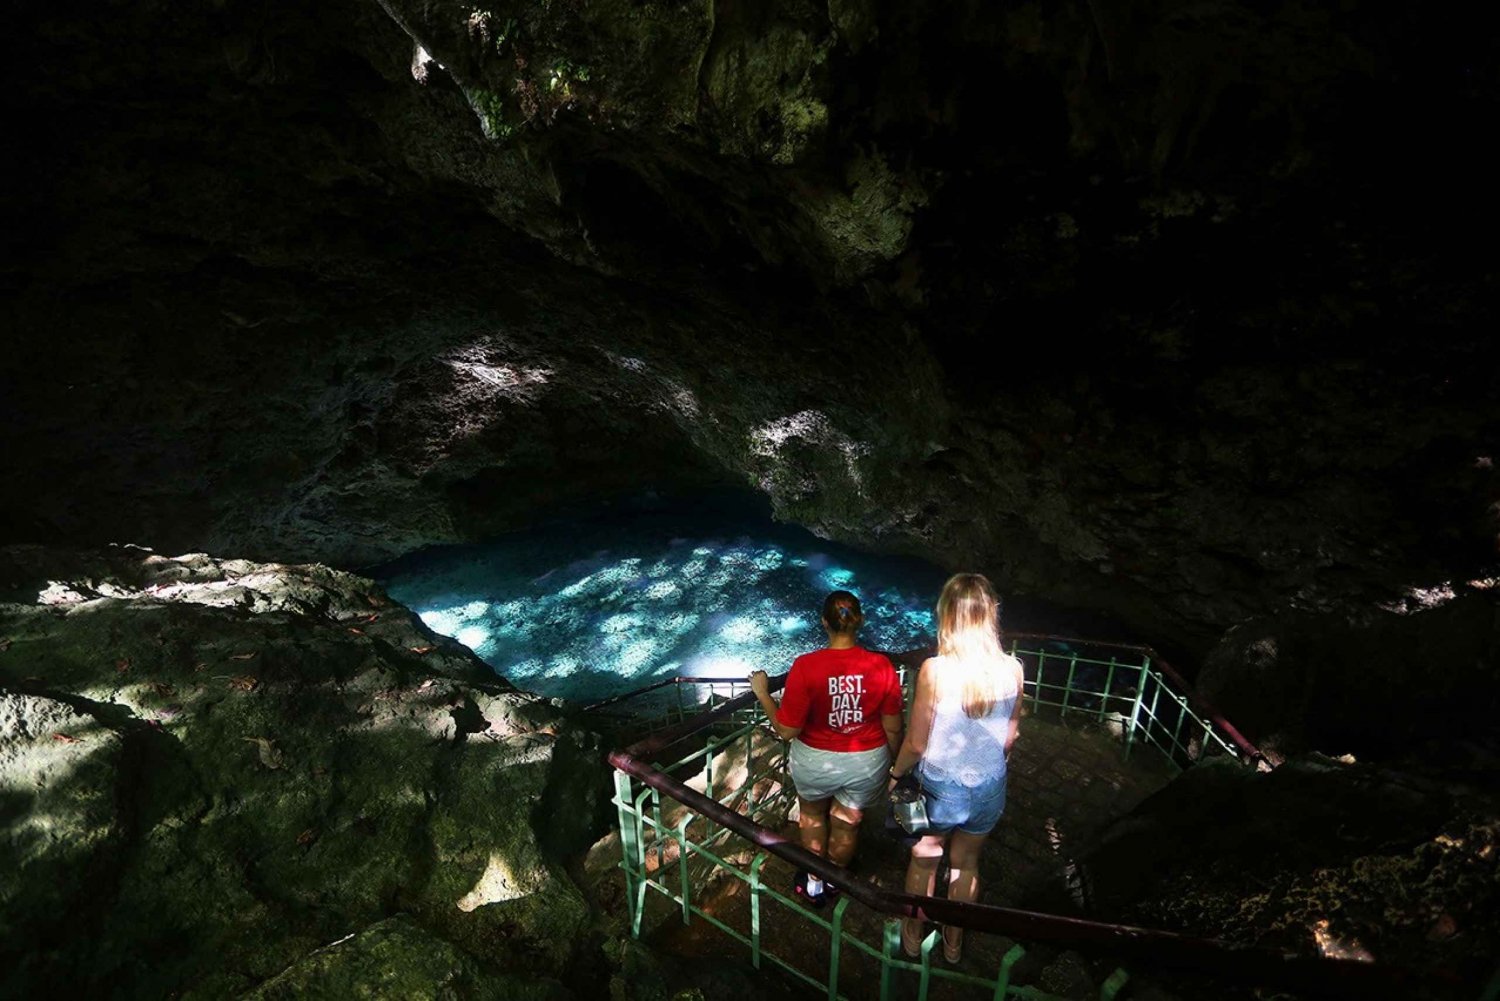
(1179, 311)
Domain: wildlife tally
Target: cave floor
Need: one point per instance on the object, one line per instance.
(1067, 782)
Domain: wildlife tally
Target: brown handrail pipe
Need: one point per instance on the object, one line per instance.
(1333, 978)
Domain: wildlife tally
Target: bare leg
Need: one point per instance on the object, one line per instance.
(843, 833)
(812, 823)
(921, 875)
(963, 881)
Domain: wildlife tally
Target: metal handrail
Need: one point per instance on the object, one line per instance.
(1323, 975)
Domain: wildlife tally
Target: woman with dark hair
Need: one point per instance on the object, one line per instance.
(963, 724)
(841, 709)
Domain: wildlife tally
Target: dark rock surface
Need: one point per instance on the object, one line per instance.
(1375, 683)
(218, 776)
(1163, 310)
(1400, 864)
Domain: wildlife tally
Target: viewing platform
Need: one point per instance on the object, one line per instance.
(708, 842)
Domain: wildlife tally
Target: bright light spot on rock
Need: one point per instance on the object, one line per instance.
(1420, 599)
(496, 884)
(1338, 948)
(791, 624)
(627, 363)
(814, 428)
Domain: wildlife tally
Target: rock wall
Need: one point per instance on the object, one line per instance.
(222, 778)
(1165, 311)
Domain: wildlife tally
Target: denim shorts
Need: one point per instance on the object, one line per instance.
(971, 809)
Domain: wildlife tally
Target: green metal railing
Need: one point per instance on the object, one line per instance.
(1129, 689)
(667, 827)
(658, 855)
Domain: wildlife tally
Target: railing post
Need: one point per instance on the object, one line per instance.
(1135, 705)
(1041, 665)
(1109, 684)
(928, 944)
(1068, 685)
(835, 945)
(632, 860)
(682, 867)
(1112, 985)
(640, 836)
(755, 888)
(1182, 714)
(891, 943)
(1002, 980)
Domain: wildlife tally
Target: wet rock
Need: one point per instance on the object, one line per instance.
(1319, 856)
(59, 770)
(398, 959)
(200, 793)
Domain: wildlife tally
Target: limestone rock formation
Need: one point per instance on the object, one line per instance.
(219, 775)
(1110, 301)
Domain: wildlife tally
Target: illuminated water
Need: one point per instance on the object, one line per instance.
(605, 604)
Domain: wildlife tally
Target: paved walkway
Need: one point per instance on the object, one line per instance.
(1068, 780)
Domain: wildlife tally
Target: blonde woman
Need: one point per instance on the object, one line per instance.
(963, 724)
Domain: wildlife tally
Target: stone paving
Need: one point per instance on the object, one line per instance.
(1068, 779)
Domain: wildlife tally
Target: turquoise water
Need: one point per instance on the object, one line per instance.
(605, 603)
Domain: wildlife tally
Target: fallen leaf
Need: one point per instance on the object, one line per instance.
(65, 738)
(200, 666)
(164, 690)
(269, 755)
(426, 684)
(372, 618)
(423, 650)
(356, 631)
(243, 656)
(5, 644)
(122, 665)
(243, 682)
(307, 837)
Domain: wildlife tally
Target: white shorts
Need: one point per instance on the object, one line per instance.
(855, 778)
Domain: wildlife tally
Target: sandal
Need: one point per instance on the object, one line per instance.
(911, 946)
(799, 890)
(953, 951)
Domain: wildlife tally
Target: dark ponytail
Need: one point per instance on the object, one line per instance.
(841, 613)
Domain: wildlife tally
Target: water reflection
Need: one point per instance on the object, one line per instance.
(598, 607)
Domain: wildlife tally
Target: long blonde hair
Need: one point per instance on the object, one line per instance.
(969, 638)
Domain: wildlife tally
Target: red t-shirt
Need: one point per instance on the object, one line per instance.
(837, 698)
